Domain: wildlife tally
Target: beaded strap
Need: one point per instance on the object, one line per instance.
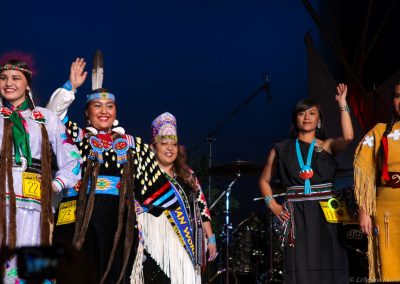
(345, 108)
(13, 67)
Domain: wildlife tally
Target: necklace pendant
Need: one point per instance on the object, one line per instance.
(306, 172)
(318, 149)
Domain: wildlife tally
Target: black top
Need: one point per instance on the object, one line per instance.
(199, 199)
(287, 165)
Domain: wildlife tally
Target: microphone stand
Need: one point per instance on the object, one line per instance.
(227, 227)
(264, 87)
(210, 140)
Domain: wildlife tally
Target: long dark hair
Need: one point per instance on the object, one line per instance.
(304, 105)
(182, 170)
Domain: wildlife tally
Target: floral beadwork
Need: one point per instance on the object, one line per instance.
(38, 117)
(97, 149)
(121, 147)
(5, 112)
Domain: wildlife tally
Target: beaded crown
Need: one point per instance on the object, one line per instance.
(164, 128)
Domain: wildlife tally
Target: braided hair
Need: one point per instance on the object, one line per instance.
(126, 215)
(394, 119)
(384, 141)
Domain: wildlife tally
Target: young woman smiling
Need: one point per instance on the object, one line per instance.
(117, 169)
(28, 136)
(306, 167)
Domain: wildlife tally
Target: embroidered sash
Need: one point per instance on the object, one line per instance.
(181, 223)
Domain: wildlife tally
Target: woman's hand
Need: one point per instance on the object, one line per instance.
(365, 222)
(77, 75)
(341, 94)
(279, 211)
(212, 251)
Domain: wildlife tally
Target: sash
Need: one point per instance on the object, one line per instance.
(181, 223)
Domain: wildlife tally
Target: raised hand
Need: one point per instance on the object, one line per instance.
(341, 94)
(77, 75)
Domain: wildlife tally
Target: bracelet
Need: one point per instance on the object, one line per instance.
(345, 108)
(212, 240)
(268, 199)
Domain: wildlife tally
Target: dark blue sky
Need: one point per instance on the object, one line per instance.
(196, 59)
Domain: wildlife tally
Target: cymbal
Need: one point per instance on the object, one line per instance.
(237, 167)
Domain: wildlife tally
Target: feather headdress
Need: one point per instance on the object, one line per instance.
(97, 70)
(97, 79)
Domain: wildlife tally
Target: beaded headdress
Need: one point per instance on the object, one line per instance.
(7, 58)
(6, 61)
(13, 67)
(164, 128)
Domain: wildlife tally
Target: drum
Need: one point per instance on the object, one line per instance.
(243, 247)
(357, 246)
(353, 239)
(249, 243)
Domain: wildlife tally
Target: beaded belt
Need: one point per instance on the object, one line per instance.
(394, 179)
(105, 185)
(318, 192)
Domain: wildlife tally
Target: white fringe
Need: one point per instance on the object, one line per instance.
(137, 270)
(161, 242)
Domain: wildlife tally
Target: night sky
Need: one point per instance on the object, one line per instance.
(196, 59)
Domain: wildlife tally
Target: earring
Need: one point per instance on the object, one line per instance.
(319, 124)
(115, 123)
(88, 122)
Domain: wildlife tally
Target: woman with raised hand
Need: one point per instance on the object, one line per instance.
(117, 168)
(29, 135)
(305, 165)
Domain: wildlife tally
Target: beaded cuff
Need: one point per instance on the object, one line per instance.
(345, 108)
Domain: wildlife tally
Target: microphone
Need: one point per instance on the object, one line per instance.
(267, 87)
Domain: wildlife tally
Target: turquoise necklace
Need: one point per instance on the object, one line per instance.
(306, 172)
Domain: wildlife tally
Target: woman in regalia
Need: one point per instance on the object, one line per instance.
(175, 246)
(117, 169)
(376, 187)
(306, 166)
(28, 136)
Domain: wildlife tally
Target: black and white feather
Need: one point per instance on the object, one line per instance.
(97, 70)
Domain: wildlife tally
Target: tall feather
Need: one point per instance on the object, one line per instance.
(97, 70)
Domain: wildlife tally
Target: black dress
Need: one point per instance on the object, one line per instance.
(111, 151)
(317, 255)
